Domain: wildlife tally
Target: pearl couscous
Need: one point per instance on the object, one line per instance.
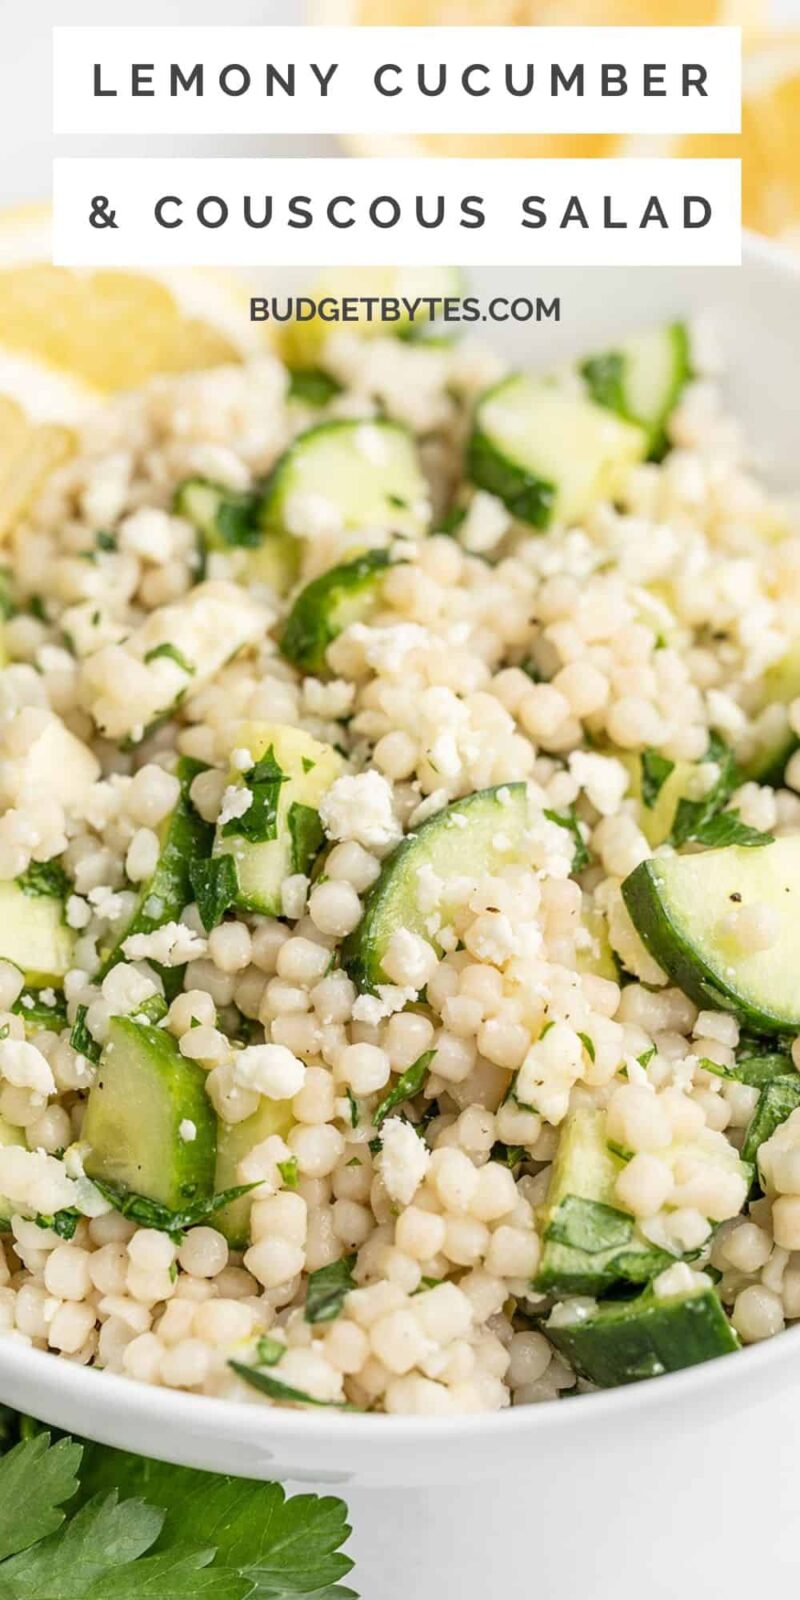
(399, 824)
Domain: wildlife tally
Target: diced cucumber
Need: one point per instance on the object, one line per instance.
(549, 455)
(235, 1140)
(302, 343)
(368, 472)
(232, 521)
(9, 1135)
(623, 1341)
(657, 804)
(280, 832)
(469, 839)
(775, 742)
(681, 905)
(642, 379)
(33, 932)
(777, 1100)
(184, 837)
(589, 1243)
(328, 605)
(597, 956)
(149, 1123)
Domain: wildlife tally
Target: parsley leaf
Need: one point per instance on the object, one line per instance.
(45, 879)
(151, 1214)
(64, 1223)
(306, 834)
(692, 816)
(727, 828)
(568, 819)
(313, 386)
(327, 1288)
(655, 771)
(35, 1480)
(260, 821)
(81, 1039)
(407, 1087)
(131, 1532)
(215, 885)
(172, 653)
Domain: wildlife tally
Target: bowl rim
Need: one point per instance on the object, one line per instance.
(62, 1385)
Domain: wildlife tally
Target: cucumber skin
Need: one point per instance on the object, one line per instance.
(626, 1341)
(184, 1083)
(669, 948)
(188, 838)
(309, 627)
(605, 380)
(359, 952)
(529, 498)
(270, 510)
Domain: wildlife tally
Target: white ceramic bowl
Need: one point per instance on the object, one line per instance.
(618, 1474)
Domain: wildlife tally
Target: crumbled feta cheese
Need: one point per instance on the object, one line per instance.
(269, 1069)
(106, 903)
(78, 912)
(25, 1066)
(170, 946)
(34, 1181)
(603, 779)
(187, 1131)
(236, 800)
(403, 1160)
(361, 807)
(374, 1008)
(242, 760)
(486, 522)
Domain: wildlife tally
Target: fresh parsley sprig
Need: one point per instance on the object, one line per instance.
(88, 1523)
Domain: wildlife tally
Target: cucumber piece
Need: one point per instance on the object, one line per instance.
(328, 605)
(9, 1135)
(232, 521)
(626, 1340)
(777, 1100)
(33, 933)
(184, 838)
(144, 1090)
(280, 832)
(642, 379)
(468, 839)
(775, 742)
(589, 1243)
(367, 471)
(302, 344)
(235, 1140)
(547, 454)
(678, 905)
(657, 802)
(597, 956)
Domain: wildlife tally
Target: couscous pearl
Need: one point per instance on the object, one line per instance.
(204, 1252)
(334, 908)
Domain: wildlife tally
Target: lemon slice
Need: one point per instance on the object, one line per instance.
(106, 330)
(748, 14)
(770, 140)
